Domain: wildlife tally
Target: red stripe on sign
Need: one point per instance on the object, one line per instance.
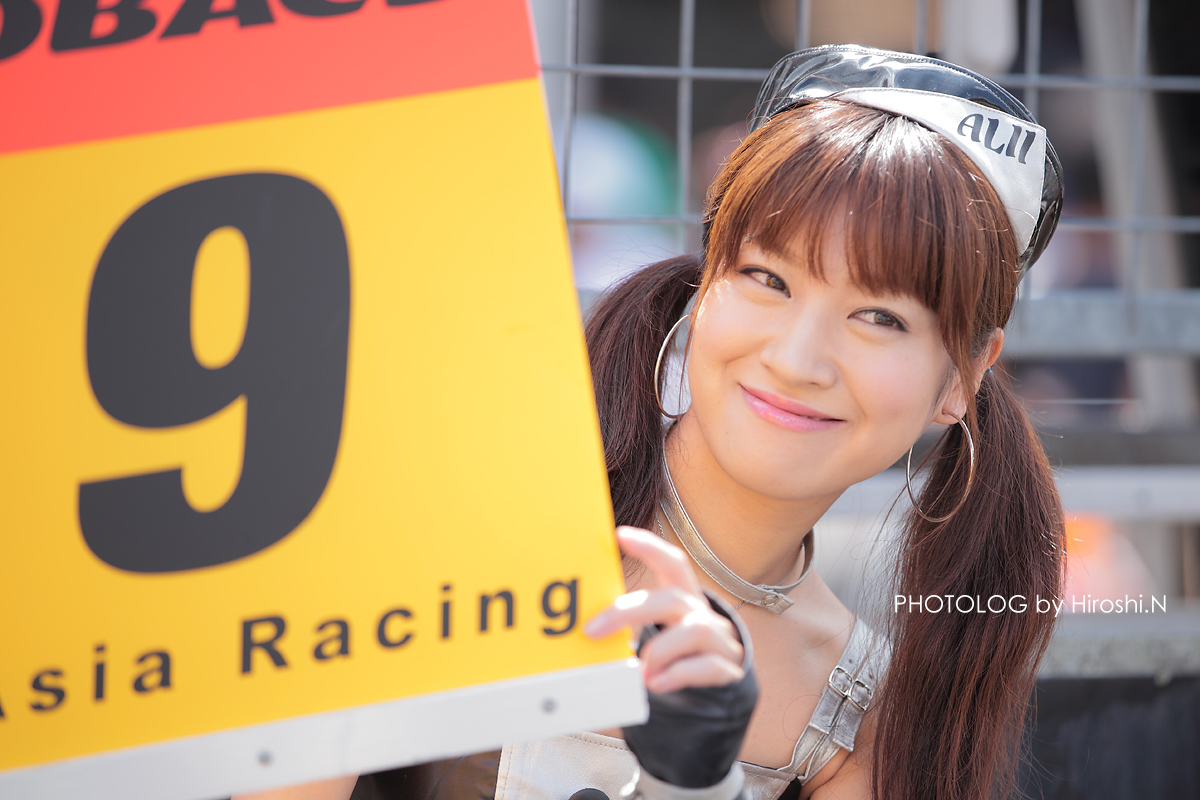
(77, 70)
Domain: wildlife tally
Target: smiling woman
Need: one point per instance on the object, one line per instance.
(873, 369)
(861, 254)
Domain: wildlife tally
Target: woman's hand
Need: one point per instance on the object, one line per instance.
(695, 646)
(697, 668)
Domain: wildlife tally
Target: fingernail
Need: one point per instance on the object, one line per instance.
(631, 600)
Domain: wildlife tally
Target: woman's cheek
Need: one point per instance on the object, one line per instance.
(901, 393)
(722, 335)
(725, 318)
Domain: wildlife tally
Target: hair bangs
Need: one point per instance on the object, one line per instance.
(918, 217)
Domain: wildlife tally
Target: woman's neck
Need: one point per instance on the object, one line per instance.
(757, 537)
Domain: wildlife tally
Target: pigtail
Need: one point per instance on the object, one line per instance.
(955, 696)
(624, 333)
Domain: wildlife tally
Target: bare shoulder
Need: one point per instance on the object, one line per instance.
(848, 777)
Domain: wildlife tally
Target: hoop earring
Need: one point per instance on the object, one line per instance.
(662, 351)
(967, 491)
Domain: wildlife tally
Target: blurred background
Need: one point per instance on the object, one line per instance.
(648, 97)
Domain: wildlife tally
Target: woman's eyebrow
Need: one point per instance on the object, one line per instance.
(782, 252)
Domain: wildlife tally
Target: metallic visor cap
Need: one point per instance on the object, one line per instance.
(958, 103)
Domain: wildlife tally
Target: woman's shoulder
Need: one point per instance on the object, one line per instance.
(849, 777)
(794, 655)
(838, 738)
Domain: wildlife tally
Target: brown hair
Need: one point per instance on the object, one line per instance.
(953, 702)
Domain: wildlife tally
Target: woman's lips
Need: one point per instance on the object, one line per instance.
(787, 413)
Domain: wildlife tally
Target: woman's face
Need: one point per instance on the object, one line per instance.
(802, 387)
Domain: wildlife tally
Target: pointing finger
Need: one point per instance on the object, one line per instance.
(666, 563)
(641, 608)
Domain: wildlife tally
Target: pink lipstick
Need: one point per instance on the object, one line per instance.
(787, 414)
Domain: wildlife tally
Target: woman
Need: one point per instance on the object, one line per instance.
(862, 250)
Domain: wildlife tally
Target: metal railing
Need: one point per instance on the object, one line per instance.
(1157, 488)
(1151, 322)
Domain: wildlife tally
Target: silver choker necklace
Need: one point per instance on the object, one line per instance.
(772, 598)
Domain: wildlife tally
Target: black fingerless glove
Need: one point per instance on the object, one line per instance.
(693, 735)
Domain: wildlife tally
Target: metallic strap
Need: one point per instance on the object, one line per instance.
(846, 697)
(552, 769)
(772, 598)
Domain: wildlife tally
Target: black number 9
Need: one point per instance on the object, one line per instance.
(291, 367)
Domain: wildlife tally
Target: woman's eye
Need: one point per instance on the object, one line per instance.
(877, 316)
(768, 279)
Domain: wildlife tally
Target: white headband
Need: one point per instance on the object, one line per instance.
(1009, 151)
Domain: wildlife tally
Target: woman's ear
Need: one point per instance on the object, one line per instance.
(955, 404)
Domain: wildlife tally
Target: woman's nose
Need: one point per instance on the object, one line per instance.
(801, 351)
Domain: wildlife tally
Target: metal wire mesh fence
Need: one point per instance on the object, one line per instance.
(1107, 332)
(1142, 305)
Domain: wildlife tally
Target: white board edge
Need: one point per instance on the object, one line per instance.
(348, 741)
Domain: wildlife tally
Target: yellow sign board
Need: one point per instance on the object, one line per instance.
(303, 475)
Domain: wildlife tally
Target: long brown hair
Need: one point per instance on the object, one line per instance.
(925, 223)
